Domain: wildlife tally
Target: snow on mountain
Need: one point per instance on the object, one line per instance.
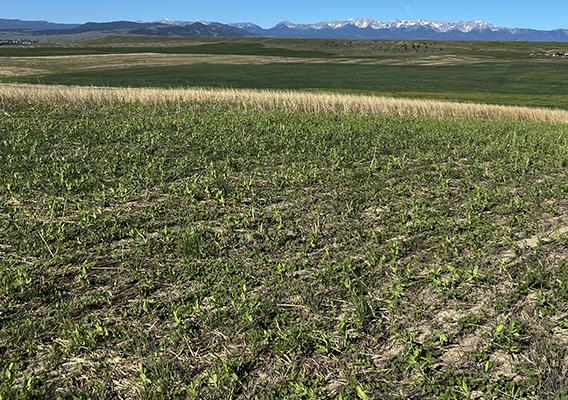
(245, 25)
(291, 25)
(372, 29)
(167, 21)
(361, 23)
(365, 23)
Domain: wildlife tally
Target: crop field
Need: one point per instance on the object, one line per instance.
(197, 249)
(497, 73)
(283, 219)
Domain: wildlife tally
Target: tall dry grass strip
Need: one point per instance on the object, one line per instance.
(267, 100)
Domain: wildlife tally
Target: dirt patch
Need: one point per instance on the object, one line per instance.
(459, 353)
(503, 363)
(450, 315)
(559, 229)
(548, 237)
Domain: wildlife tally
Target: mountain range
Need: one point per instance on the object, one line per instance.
(367, 28)
(355, 28)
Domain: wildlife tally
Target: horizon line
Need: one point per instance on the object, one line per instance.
(268, 26)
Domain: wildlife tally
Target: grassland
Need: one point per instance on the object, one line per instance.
(186, 249)
(269, 100)
(193, 48)
(525, 85)
(495, 73)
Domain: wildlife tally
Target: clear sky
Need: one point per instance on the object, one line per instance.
(544, 14)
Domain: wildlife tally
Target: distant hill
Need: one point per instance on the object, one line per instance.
(16, 25)
(134, 28)
(194, 29)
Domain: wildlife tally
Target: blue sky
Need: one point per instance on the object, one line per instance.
(544, 14)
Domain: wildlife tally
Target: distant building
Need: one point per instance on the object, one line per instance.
(16, 42)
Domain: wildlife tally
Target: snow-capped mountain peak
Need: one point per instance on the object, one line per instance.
(475, 25)
(366, 23)
(244, 25)
(167, 21)
(363, 23)
(372, 29)
(291, 25)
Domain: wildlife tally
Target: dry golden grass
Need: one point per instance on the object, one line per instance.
(266, 100)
